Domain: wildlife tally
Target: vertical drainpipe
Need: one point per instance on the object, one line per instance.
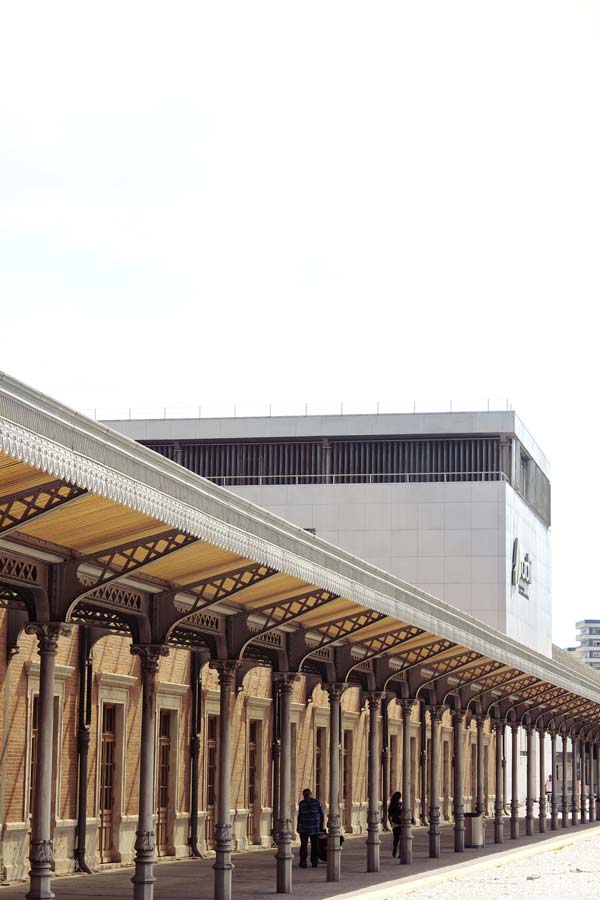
(83, 743)
(195, 727)
(423, 739)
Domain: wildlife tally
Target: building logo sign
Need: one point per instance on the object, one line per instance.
(521, 570)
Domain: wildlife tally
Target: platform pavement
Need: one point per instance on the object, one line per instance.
(254, 873)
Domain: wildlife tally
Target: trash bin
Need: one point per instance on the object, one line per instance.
(474, 831)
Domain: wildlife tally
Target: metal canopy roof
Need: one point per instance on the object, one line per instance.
(96, 528)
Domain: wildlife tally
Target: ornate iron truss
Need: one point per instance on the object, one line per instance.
(208, 591)
(24, 506)
(379, 645)
(105, 618)
(505, 684)
(572, 705)
(118, 595)
(280, 612)
(123, 559)
(19, 569)
(332, 632)
(476, 673)
(547, 695)
(415, 655)
(453, 663)
(10, 599)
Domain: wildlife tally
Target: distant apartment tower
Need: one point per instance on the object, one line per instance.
(457, 504)
(588, 642)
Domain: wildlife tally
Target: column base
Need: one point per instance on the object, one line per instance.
(40, 886)
(498, 832)
(459, 837)
(529, 830)
(434, 839)
(334, 857)
(223, 869)
(514, 827)
(373, 851)
(284, 858)
(406, 841)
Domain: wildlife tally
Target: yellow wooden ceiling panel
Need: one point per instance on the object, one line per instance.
(271, 590)
(330, 613)
(92, 523)
(194, 562)
(17, 476)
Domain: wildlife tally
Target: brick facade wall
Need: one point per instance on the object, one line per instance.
(117, 679)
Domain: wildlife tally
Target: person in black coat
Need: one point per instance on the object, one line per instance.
(394, 811)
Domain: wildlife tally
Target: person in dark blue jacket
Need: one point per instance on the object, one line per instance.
(310, 825)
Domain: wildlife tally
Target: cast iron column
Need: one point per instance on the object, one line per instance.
(334, 853)
(582, 770)
(592, 795)
(284, 855)
(143, 880)
(373, 839)
(405, 812)
(458, 719)
(597, 772)
(542, 770)
(385, 764)
(514, 797)
(276, 757)
(574, 797)
(554, 795)
(40, 847)
(565, 798)
(530, 781)
(434, 778)
(499, 805)
(480, 771)
(223, 831)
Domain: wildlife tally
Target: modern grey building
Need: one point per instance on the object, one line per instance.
(588, 642)
(455, 503)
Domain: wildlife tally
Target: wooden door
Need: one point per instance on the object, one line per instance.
(347, 780)
(210, 781)
(253, 787)
(473, 777)
(164, 772)
(446, 780)
(107, 782)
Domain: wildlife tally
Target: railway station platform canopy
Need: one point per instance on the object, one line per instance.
(98, 530)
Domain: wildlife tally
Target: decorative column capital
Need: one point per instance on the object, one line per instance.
(514, 727)
(458, 716)
(334, 691)
(285, 681)
(406, 706)
(436, 712)
(499, 726)
(48, 634)
(529, 729)
(149, 655)
(374, 699)
(226, 669)
(480, 720)
(541, 730)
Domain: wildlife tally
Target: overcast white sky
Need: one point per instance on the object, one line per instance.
(288, 201)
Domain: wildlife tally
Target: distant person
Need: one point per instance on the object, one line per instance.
(394, 812)
(310, 825)
(549, 787)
